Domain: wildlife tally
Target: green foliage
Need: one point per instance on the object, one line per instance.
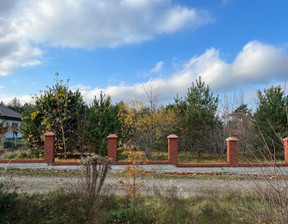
(8, 144)
(196, 114)
(240, 115)
(241, 120)
(101, 120)
(11, 144)
(61, 207)
(271, 119)
(31, 128)
(147, 128)
(58, 109)
(22, 154)
(7, 202)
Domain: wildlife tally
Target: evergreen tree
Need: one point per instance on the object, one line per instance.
(271, 119)
(196, 114)
(241, 125)
(102, 120)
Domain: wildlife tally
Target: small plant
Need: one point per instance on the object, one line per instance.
(96, 168)
(131, 183)
(7, 201)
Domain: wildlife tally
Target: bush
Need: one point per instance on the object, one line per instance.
(7, 202)
(23, 154)
(11, 144)
(8, 144)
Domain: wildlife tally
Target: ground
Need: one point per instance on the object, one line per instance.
(40, 181)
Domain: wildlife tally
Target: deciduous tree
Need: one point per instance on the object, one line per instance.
(147, 132)
(57, 109)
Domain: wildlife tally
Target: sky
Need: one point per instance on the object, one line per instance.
(122, 46)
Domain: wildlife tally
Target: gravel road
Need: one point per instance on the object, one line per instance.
(185, 186)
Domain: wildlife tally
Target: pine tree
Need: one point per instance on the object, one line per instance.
(102, 120)
(271, 118)
(197, 113)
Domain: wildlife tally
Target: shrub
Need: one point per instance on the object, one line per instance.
(7, 201)
(95, 171)
(8, 145)
(22, 154)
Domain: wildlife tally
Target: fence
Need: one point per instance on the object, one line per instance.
(232, 154)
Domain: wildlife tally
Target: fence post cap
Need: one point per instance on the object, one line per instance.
(232, 139)
(50, 133)
(285, 139)
(172, 136)
(112, 136)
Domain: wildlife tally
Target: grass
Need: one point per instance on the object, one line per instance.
(74, 207)
(193, 158)
(22, 154)
(251, 158)
(77, 173)
(187, 157)
(122, 155)
(40, 172)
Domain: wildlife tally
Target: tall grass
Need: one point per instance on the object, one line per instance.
(61, 207)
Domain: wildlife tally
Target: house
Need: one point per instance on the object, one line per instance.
(11, 119)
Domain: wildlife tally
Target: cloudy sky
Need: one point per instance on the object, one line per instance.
(119, 46)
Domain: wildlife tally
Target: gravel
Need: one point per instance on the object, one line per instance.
(183, 186)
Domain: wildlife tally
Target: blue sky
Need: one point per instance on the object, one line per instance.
(120, 46)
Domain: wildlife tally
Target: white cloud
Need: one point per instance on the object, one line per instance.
(226, 2)
(85, 24)
(2, 87)
(15, 49)
(157, 68)
(256, 63)
(81, 87)
(23, 98)
(20, 54)
(111, 23)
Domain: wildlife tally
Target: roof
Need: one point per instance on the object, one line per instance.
(9, 114)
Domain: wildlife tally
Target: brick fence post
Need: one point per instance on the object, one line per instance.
(232, 151)
(112, 147)
(49, 147)
(173, 149)
(285, 141)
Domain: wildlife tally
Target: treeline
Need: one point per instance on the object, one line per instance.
(195, 118)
